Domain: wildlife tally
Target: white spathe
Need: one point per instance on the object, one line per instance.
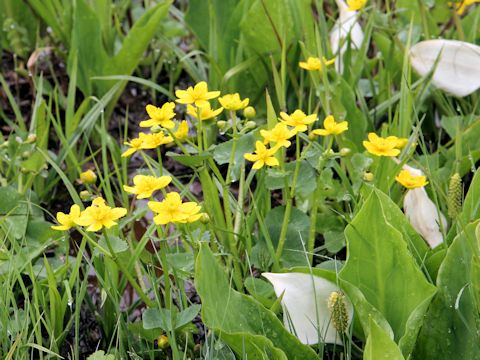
(458, 68)
(423, 214)
(305, 296)
(345, 25)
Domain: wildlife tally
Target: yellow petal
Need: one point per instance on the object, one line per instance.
(258, 164)
(272, 161)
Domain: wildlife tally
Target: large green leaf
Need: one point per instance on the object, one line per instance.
(380, 346)
(243, 323)
(452, 325)
(381, 267)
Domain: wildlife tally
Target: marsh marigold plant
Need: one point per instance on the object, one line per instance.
(173, 210)
(262, 156)
(331, 127)
(298, 120)
(315, 64)
(379, 146)
(145, 185)
(99, 215)
(198, 95)
(411, 181)
(160, 116)
(233, 102)
(67, 221)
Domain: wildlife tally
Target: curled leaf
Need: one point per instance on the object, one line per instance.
(305, 306)
(455, 64)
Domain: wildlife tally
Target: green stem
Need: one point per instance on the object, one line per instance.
(145, 158)
(458, 147)
(314, 210)
(199, 131)
(127, 274)
(288, 208)
(166, 273)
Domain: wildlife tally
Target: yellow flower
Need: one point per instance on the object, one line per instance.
(411, 181)
(145, 186)
(198, 95)
(314, 63)
(461, 7)
(172, 210)
(233, 102)
(152, 141)
(401, 142)
(206, 111)
(146, 141)
(354, 5)
(278, 135)
(160, 116)
(99, 215)
(331, 127)
(298, 120)
(262, 156)
(380, 146)
(135, 145)
(88, 177)
(182, 131)
(67, 221)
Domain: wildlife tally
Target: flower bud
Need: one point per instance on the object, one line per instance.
(155, 129)
(250, 125)
(85, 195)
(221, 124)
(328, 153)
(249, 112)
(88, 177)
(455, 194)
(368, 176)
(31, 138)
(205, 219)
(345, 151)
(338, 308)
(162, 342)
(26, 154)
